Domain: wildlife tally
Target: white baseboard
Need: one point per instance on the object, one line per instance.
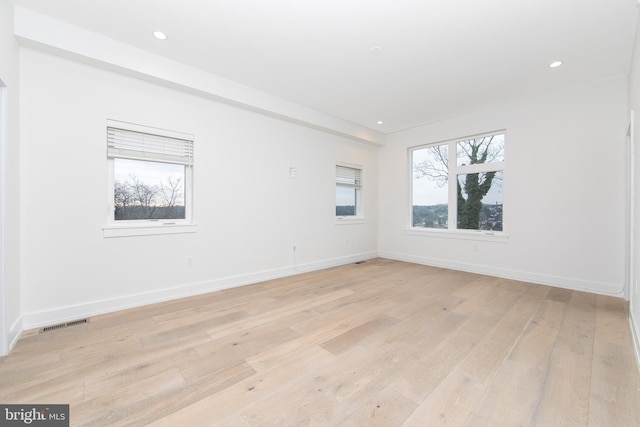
(93, 308)
(541, 279)
(15, 332)
(635, 336)
(65, 314)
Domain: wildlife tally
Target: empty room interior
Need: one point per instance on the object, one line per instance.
(353, 213)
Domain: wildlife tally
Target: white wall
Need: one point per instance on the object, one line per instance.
(634, 104)
(564, 191)
(249, 212)
(10, 214)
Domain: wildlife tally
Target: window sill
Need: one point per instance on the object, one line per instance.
(349, 220)
(147, 230)
(487, 236)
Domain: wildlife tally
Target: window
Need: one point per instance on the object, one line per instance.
(150, 178)
(348, 192)
(457, 185)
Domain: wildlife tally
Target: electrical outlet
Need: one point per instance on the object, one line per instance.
(294, 248)
(189, 261)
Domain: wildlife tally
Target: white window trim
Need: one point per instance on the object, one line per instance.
(148, 227)
(359, 217)
(344, 220)
(454, 233)
(482, 235)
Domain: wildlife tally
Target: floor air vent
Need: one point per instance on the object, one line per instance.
(63, 325)
(359, 262)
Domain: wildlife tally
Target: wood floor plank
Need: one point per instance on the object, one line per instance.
(317, 332)
(534, 347)
(488, 293)
(301, 404)
(171, 332)
(486, 357)
(379, 343)
(234, 399)
(512, 394)
(111, 407)
(244, 324)
(387, 409)
(352, 337)
(435, 365)
(162, 405)
(52, 392)
(343, 317)
(615, 395)
(127, 376)
(510, 397)
(346, 383)
(568, 376)
(288, 351)
(450, 404)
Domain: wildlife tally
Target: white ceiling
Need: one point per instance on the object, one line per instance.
(437, 58)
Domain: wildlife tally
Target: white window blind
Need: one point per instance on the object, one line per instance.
(348, 177)
(142, 144)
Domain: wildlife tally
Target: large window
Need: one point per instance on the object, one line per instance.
(348, 192)
(150, 175)
(457, 185)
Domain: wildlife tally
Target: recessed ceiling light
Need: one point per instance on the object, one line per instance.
(159, 35)
(375, 50)
(380, 122)
(555, 64)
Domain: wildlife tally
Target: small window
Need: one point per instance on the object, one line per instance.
(457, 185)
(348, 192)
(151, 173)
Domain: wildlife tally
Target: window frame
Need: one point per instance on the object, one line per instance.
(143, 227)
(359, 198)
(455, 170)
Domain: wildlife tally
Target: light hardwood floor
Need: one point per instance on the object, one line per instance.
(381, 343)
